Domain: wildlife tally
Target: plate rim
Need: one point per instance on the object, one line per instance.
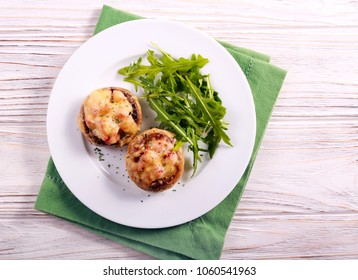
(95, 37)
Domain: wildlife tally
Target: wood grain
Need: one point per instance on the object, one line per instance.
(301, 200)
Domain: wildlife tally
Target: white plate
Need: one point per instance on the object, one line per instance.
(103, 186)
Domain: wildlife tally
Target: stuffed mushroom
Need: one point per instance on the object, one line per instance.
(152, 162)
(110, 116)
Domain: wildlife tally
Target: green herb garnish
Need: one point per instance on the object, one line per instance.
(183, 99)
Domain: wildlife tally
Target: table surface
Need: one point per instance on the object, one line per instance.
(301, 201)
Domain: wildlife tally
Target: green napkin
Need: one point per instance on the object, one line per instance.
(204, 237)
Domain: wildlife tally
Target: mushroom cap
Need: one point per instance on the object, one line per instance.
(110, 116)
(152, 162)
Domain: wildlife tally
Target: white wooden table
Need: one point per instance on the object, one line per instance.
(301, 201)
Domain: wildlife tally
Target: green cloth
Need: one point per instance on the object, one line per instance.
(204, 237)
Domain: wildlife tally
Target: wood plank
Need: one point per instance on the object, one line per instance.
(302, 237)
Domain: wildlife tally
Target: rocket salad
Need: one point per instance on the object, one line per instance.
(183, 99)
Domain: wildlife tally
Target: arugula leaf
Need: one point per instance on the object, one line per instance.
(183, 99)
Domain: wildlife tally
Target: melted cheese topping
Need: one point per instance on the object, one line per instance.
(107, 112)
(153, 160)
